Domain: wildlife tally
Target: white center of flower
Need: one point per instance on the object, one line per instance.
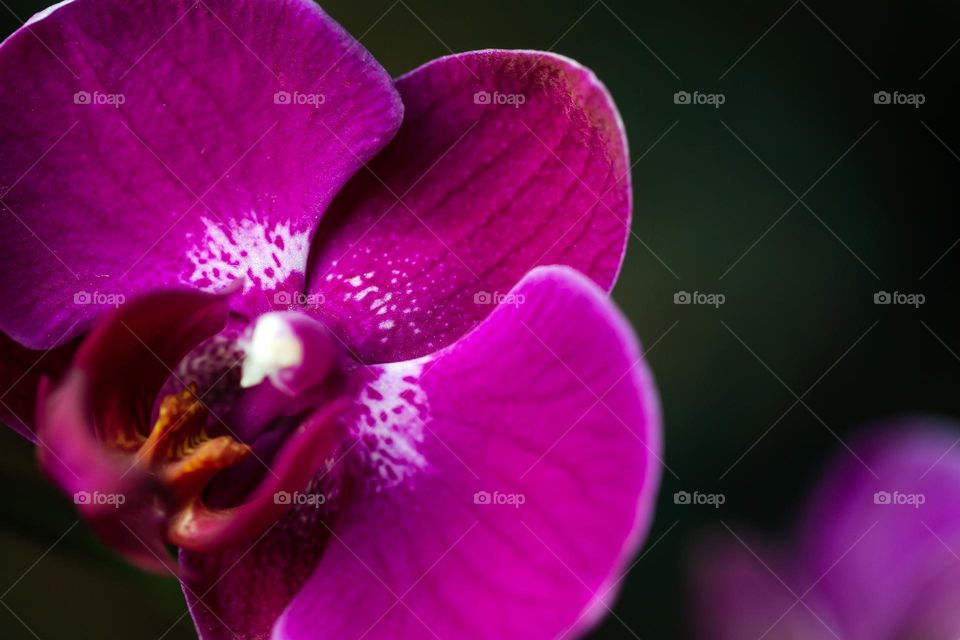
(273, 347)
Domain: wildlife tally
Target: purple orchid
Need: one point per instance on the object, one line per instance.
(344, 340)
(874, 557)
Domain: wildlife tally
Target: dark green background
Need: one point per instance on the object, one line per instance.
(799, 299)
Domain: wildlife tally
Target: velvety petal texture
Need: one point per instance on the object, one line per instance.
(151, 144)
(506, 160)
(875, 555)
(499, 486)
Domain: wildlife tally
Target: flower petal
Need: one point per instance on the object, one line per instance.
(506, 160)
(499, 485)
(163, 143)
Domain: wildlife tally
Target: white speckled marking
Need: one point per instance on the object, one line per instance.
(391, 433)
(264, 255)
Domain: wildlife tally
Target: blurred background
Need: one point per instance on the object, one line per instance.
(797, 200)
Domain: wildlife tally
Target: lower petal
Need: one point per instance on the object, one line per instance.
(499, 485)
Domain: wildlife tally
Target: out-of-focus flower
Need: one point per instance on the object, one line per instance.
(874, 557)
(386, 405)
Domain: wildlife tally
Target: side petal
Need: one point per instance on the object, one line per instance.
(506, 160)
(500, 485)
(156, 144)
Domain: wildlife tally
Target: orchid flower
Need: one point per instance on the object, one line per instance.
(343, 340)
(874, 556)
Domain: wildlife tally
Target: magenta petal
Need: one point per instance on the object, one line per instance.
(163, 143)
(494, 494)
(506, 160)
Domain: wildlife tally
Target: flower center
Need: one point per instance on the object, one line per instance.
(221, 477)
(181, 451)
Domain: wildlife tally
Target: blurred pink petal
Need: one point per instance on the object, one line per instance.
(875, 554)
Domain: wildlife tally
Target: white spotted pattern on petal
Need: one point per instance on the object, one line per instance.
(390, 428)
(264, 255)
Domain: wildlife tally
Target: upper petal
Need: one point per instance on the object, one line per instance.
(499, 485)
(506, 160)
(163, 143)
